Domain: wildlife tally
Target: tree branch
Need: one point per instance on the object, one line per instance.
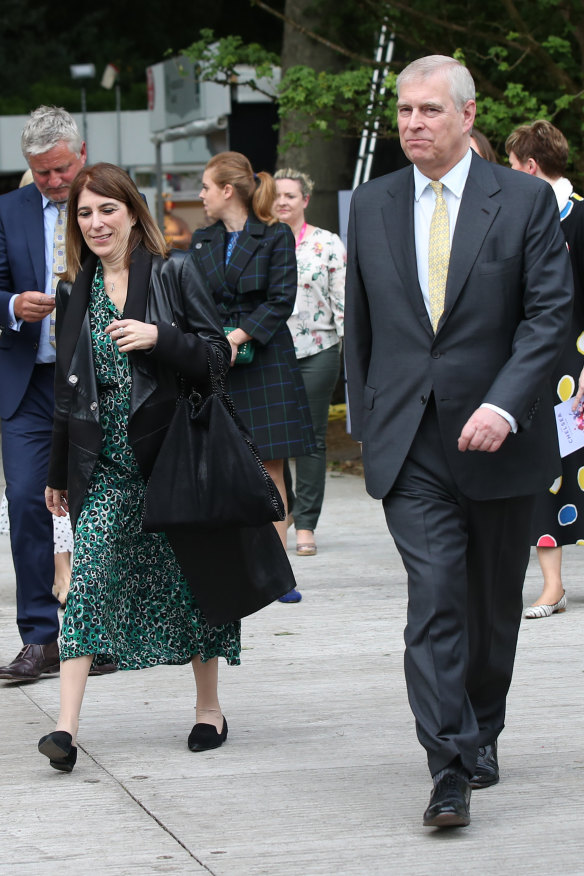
(312, 35)
(536, 49)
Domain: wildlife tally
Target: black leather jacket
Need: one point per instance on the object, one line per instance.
(170, 293)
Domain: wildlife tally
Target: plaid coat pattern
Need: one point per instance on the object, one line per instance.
(256, 292)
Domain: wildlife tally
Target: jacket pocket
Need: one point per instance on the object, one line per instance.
(368, 397)
(501, 266)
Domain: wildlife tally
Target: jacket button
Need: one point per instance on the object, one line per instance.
(93, 406)
(436, 354)
(423, 399)
(73, 380)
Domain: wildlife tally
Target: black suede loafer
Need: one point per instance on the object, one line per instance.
(205, 736)
(487, 769)
(449, 802)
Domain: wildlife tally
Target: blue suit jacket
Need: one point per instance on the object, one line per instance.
(22, 268)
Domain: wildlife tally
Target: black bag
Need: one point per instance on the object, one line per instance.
(232, 572)
(208, 472)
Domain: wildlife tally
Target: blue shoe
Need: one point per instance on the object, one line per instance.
(293, 596)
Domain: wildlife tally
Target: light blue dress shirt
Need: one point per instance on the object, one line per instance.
(46, 352)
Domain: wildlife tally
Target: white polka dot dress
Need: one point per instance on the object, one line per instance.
(62, 533)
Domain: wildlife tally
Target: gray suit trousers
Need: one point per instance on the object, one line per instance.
(466, 563)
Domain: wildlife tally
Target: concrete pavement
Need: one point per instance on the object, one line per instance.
(321, 774)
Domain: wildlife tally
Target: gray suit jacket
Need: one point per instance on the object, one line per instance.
(507, 312)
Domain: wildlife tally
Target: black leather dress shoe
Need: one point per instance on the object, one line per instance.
(449, 802)
(487, 769)
(32, 662)
(205, 736)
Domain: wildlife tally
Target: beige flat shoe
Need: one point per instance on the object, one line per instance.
(306, 549)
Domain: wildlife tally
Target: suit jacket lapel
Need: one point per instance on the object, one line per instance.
(248, 241)
(138, 282)
(35, 232)
(75, 346)
(401, 239)
(475, 217)
(209, 249)
(143, 379)
(76, 312)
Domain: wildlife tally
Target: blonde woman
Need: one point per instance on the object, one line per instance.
(316, 325)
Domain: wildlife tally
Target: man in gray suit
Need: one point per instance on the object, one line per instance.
(458, 302)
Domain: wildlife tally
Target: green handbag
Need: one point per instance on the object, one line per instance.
(245, 351)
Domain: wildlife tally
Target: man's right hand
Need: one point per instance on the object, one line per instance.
(33, 306)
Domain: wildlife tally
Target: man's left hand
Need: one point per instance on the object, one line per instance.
(485, 430)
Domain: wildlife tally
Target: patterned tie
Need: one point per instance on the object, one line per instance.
(59, 262)
(438, 255)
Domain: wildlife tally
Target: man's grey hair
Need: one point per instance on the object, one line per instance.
(48, 126)
(462, 87)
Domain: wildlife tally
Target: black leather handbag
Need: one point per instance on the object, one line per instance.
(208, 472)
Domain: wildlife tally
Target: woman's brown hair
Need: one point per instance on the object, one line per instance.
(257, 191)
(485, 150)
(109, 181)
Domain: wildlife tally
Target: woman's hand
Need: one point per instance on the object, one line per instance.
(130, 334)
(235, 338)
(56, 501)
(580, 393)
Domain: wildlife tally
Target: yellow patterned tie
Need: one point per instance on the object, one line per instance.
(438, 255)
(58, 259)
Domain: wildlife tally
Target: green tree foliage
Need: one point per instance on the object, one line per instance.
(526, 56)
(39, 41)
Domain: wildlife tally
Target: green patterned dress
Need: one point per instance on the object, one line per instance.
(128, 602)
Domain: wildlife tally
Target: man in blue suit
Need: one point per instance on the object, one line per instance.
(55, 153)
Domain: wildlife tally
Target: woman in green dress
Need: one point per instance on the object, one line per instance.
(134, 318)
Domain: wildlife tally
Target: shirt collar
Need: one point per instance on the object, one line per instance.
(454, 180)
(562, 189)
(47, 202)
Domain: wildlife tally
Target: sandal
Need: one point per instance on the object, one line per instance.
(306, 549)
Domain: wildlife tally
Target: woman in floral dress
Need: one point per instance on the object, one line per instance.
(316, 325)
(134, 318)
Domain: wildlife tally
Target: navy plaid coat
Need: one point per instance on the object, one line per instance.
(256, 292)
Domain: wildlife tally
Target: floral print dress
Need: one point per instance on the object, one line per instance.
(129, 602)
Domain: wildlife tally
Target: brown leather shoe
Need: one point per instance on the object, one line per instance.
(103, 669)
(32, 662)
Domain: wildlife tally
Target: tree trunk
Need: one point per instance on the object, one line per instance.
(330, 163)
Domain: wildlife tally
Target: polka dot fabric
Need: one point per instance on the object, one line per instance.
(559, 513)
